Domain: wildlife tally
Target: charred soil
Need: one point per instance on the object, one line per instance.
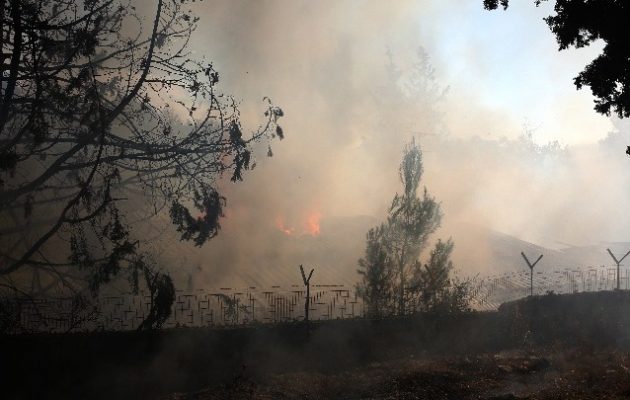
(546, 347)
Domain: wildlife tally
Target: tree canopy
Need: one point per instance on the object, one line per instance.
(579, 23)
(105, 122)
(411, 219)
(394, 247)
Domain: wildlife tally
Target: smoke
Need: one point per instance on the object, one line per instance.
(355, 81)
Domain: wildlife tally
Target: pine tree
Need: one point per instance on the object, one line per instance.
(430, 282)
(402, 238)
(410, 222)
(377, 270)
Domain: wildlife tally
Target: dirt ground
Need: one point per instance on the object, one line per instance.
(575, 373)
(546, 347)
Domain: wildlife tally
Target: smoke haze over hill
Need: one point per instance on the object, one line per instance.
(357, 81)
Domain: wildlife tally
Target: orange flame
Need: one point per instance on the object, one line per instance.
(310, 227)
(283, 228)
(312, 223)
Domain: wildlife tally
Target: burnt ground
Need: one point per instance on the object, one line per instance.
(542, 374)
(547, 347)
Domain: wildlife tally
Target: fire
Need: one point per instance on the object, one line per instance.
(310, 225)
(283, 228)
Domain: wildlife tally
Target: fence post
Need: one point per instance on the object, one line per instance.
(307, 283)
(618, 262)
(531, 273)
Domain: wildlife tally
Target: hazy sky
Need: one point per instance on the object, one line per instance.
(326, 64)
(508, 62)
(502, 64)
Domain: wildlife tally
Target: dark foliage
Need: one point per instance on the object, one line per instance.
(162, 296)
(205, 227)
(104, 122)
(393, 280)
(377, 275)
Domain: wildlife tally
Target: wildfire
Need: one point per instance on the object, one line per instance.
(283, 228)
(310, 226)
(312, 223)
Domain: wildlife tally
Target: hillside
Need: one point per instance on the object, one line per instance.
(274, 259)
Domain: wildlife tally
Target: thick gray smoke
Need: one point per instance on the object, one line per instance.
(356, 83)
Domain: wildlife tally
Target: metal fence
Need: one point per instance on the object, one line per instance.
(200, 308)
(497, 289)
(233, 307)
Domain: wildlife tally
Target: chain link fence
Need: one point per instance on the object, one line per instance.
(228, 307)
